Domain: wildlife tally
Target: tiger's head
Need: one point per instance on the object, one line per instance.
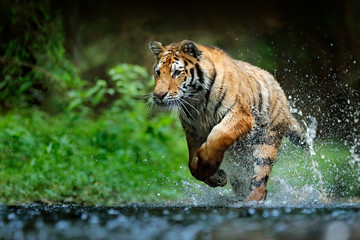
(175, 72)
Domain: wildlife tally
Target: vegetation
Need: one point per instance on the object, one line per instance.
(119, 155)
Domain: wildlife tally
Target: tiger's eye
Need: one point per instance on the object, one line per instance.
(176, 74)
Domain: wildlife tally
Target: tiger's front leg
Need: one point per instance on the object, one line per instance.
(205, 161)
(208, 162)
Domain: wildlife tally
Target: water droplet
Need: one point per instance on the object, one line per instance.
(113, 212)
(252, 211)
(84, 216)
(275, 213)
(11, 216)
(337, 230)
(266, 214)
(62, 225)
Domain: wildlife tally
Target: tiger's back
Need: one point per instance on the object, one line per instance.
(225, 106)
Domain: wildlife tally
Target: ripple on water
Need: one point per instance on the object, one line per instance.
(180, 221)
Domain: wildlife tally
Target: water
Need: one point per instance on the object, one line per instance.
(140, 221)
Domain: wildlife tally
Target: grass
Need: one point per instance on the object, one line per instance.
(109, 160)
(122, 157)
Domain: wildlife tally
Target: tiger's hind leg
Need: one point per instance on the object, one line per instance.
(264, 156)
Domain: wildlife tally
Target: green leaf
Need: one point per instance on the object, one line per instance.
(74, 104)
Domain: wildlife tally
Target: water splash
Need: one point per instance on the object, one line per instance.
(201, 194)
(285, 195)
(355, 155)
(298, 178)
(311, 134)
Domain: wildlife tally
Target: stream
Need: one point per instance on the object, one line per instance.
(178, 221)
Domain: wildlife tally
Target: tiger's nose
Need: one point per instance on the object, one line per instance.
(160, 95)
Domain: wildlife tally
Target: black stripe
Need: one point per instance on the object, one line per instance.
(260, 95)
(188, 60)
(218, 104)
(222, 86)
(199, 87)
(207, 95)
(199, 73)
(274, 118)
(269, 97)
(187, 126)
(262, 181)
(192, 86)
(260, 102)
(212, 78)
(192, 76)
(227, 110)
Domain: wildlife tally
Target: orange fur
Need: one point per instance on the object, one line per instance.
(222, 103)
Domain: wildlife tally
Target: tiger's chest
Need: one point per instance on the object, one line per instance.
(199, 127)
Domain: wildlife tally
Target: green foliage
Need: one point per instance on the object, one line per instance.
(120, 157)
(126, 82)
(33, 61)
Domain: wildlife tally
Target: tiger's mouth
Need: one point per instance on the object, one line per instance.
(167, 101)
(177, 103)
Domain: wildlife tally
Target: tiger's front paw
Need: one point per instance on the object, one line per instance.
(207, 163)
(218, 179)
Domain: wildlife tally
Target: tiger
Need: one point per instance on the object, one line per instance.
(230, 111)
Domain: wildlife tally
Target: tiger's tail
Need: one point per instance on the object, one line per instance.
(298, 137)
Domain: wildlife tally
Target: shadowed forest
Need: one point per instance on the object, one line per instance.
(76, 77)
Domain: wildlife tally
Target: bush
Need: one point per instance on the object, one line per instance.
(34, 66)
(120, 155)
(126, 85)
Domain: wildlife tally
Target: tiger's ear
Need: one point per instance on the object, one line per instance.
(190, 47)
(156, 48)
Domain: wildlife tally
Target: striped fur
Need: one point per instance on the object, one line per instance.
(228, 109)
